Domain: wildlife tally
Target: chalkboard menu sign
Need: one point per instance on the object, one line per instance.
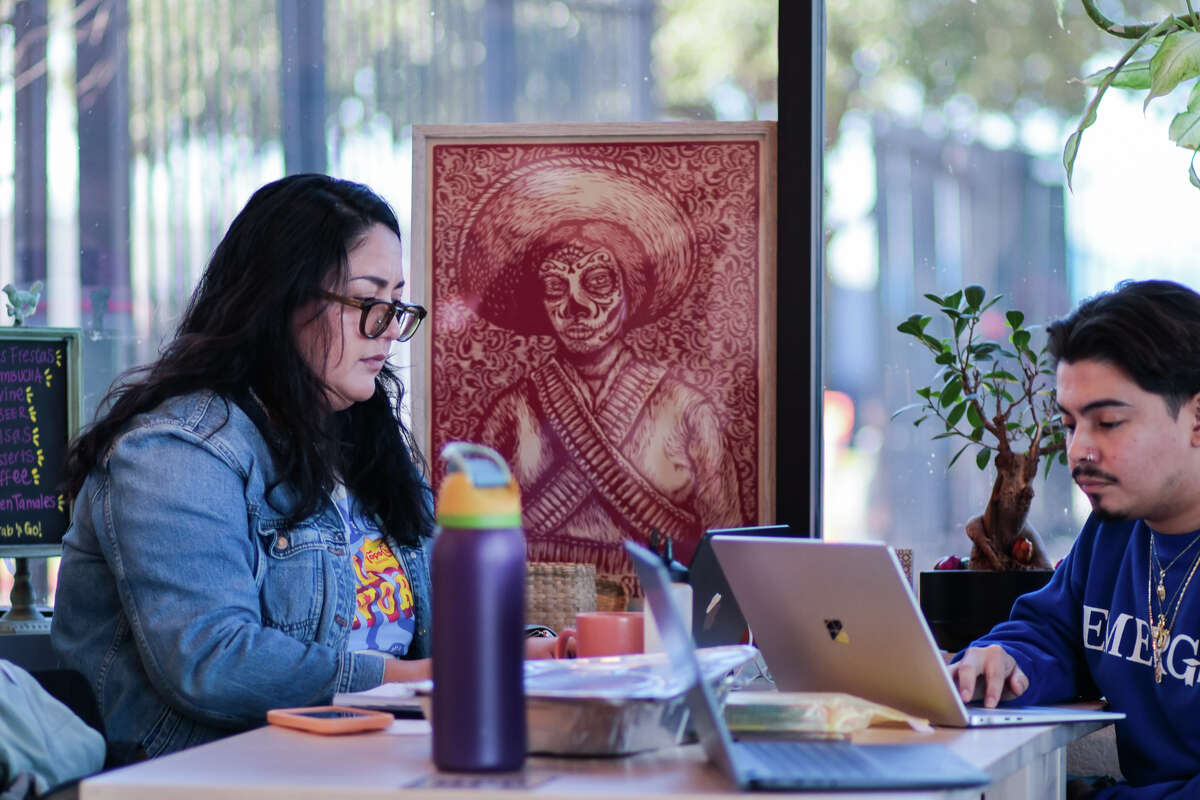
(39, 413)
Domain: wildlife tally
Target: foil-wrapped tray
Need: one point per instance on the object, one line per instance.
(614, 705)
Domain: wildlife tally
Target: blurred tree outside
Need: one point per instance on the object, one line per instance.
(960, 57)
(717, 59)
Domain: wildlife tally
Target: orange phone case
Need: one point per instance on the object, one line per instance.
(330, 719)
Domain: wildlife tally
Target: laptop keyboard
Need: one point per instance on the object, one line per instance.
(827, 761)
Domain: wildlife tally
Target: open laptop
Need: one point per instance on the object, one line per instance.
(839, 617)
(716, 617)
(795, 765)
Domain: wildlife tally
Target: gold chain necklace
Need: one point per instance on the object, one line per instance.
(1162, 571)
(1160, 633)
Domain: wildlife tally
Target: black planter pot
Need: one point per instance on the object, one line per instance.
(961, 605)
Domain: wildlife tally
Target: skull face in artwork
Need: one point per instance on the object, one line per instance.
(584, 296)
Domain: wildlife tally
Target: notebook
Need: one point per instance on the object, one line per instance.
(840, 617)
(783, 765)
(716, 617)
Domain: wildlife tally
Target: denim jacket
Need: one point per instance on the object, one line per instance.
(189, 603)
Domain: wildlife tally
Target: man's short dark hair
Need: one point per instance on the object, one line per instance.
(1148, 329)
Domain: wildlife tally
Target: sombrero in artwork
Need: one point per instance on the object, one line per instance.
(549, 204)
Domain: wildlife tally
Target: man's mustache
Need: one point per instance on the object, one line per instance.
(1090, 471)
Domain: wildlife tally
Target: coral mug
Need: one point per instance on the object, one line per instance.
(602, 633)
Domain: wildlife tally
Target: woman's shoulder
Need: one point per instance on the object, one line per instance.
(204, 417)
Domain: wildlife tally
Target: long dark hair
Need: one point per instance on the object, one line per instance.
(1148, 329)
(290, 241)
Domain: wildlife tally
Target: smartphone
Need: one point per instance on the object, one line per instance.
(330, 719)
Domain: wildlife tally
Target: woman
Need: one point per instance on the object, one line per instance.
(252, 528)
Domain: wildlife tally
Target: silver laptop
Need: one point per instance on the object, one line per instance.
(840, 617)
(792, 765)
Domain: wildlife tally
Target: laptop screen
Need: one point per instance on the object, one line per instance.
(677, 642)
(716, 617)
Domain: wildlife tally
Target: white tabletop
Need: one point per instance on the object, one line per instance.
(273, 762)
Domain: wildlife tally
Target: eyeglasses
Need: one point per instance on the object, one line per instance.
(377, 315)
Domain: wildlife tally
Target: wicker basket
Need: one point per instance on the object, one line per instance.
(555, 592)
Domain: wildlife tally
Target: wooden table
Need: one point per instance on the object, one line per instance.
(277, 763)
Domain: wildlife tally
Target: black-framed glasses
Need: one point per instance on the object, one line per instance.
(377, 315)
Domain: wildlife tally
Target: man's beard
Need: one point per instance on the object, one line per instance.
(1104, 515)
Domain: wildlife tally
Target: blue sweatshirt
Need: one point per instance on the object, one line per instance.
(1089, 629)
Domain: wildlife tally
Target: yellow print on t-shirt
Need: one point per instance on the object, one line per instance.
(384, 594)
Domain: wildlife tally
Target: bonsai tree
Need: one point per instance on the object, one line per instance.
(1161, 57)
(998, 399)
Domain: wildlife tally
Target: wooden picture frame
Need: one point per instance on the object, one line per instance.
(602, 300)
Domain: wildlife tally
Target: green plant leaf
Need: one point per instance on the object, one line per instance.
(961, 450)
(915, 325)
(1185, 126)
(953, 300)
(935, 345)
(919, 420)
(1177, 59)
(977, 434)
(982, 458)
(1001, 375)
(1192, 176)
(1015, 318)
(973, 418)
(925, 391)
(951, 391)
(936, 299)
(1021, 339)
(974, 294)
(956, 413)
(1071, 150)
(944, 358)
(1185, 129)
(960, 325)
(908, 407)
(1134, 75)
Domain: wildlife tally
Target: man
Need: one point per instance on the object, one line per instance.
(1122, 613)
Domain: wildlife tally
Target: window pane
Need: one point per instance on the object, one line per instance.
(945, 126)
(132, 131)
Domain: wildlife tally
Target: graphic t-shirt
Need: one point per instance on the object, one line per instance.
(384, 618)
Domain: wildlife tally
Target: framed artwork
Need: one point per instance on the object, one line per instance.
(603, 308)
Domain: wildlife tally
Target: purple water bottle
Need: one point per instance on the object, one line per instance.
(478, 615)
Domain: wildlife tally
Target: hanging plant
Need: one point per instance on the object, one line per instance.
(1163, 56)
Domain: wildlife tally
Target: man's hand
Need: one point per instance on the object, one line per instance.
(988, 672)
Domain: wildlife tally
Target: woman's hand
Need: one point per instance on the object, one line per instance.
(540, 647)
(399, 670)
